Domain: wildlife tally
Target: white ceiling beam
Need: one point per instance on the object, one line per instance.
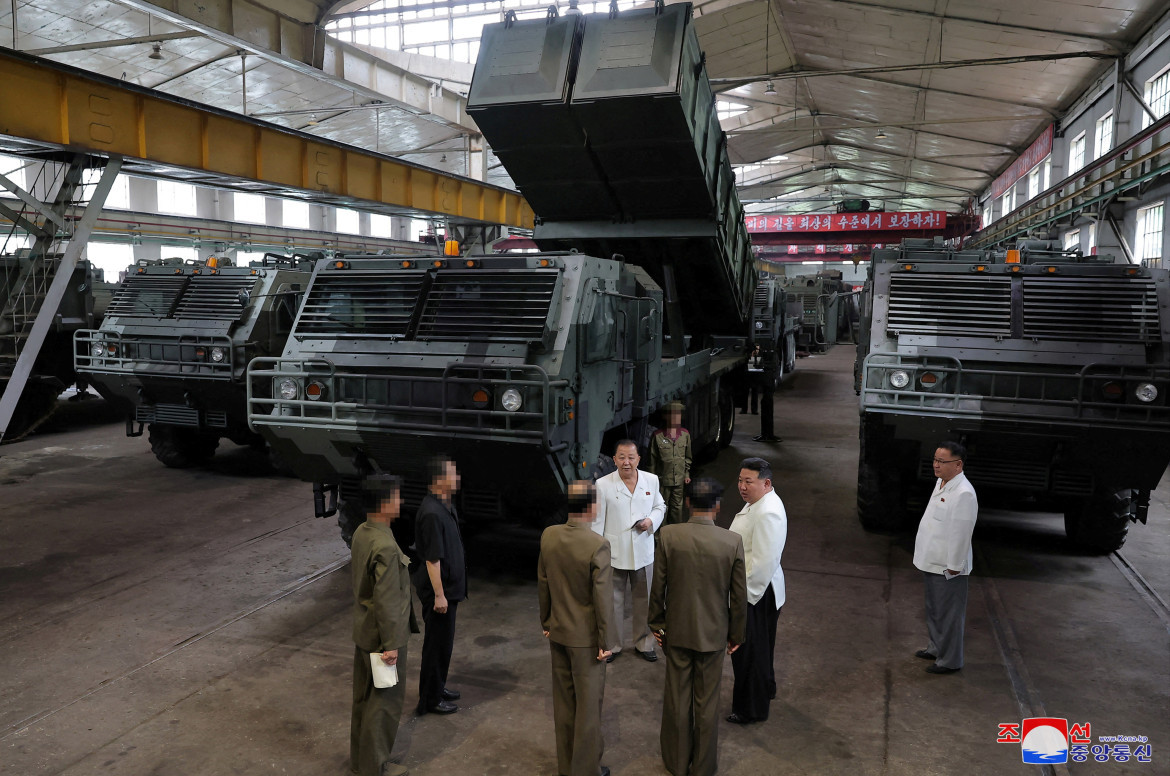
(305, 48)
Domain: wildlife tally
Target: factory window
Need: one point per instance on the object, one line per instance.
(296, 214)
(986, 215)
(1047, 173)
(1093, 238)
(1103, 137)
(1009, 201)
(381, 226)
(176, 198)
(1076, 153)
(1034, 183)
(1157, 97)
(251, 208)
(13, 168)
(726, 109)
(119, 196)
(111, 258)
(1072, 240)
(1149, 234)
(347, 221)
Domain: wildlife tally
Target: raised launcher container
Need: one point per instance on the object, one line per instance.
(631, 160)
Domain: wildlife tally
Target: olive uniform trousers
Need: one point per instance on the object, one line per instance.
(376, 713)
(578, 690)
(690, 711)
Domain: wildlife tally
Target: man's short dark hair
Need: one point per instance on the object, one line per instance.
(378, 487)
(437, 465)
(955, 449)
(624, 443)
(758, 465)
(705, 494)
(583, 498)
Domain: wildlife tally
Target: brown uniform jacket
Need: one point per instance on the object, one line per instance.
(383, 617)
(575, 585)
(670, 458)
(699, 595)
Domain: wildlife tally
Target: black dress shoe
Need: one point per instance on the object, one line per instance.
(922, 653)
(649, 657)
(449, 695)
(936, 669)
(605, 770)
(442, 707)
(739, 719)
(762, 438)
(613, 656)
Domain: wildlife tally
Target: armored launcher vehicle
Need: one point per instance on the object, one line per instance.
(172, 351)
(774, 326)
(529, 367)
(23, 281)
(1051, 367)
(817, 300)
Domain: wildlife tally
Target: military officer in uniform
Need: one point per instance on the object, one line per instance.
(698, 611)
(383, 619)
(670, 459)
(575, 586)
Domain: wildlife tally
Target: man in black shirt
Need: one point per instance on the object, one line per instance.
(441, 581)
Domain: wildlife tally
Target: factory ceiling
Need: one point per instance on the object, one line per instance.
(911, 104)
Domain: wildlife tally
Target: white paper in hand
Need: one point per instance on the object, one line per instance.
(384, 675)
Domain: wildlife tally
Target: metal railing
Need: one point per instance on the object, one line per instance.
(382, 402)
(182, 356)
(1020, 395)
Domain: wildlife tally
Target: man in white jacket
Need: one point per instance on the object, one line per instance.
(629, 510)
(942, 551)
(763, 527)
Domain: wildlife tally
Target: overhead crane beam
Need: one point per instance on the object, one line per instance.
(46, 106)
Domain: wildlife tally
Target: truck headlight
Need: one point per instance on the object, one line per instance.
(97, 349)
(899, 378)
(217, 355)
(759, 324)
(1146, 392)
(288, 388)
(511, 400)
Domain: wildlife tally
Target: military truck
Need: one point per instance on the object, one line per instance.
(172, 351)
(529, 367)
(774, 325)
(22, 285)
(816, 299)
(1051, 367)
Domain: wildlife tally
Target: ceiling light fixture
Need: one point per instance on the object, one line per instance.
(770, 89)
(155, 51)
(443, 158)
(880, 135)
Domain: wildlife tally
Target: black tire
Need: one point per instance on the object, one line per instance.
(181, 448)
(1100, 524)
(350, 515)
(881, 505)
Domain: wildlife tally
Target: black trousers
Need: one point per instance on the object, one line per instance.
(438, 641)
(752, 663)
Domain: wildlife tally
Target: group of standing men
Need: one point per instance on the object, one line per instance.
(702, 592)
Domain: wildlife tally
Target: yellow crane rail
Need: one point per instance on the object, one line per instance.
(45, 105)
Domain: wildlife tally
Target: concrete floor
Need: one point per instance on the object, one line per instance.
(155, 621)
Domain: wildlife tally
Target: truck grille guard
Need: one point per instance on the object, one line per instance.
(158, 356)
(1018, 395)
(400, 402)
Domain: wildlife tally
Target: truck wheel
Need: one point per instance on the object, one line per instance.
(1101, 523)
(349, 516)
(180, 448)
(880, 505)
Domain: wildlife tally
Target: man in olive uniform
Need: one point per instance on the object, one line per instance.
(698, 611)
(383, 619)
(670, 459)
(575, 587)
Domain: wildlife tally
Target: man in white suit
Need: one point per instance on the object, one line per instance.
(629, 510)
(763, 527)
(942, 552)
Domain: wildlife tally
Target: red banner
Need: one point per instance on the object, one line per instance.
(847, 222)
(1023, 165)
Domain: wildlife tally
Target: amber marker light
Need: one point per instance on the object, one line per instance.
(480, 398)
(438, 263)
(212, 262)
(1013, 257)
(1051, 270)
(471, 263)
(1016, 268)
(545, 262)
(406, 264)
(340, 265)
(928, 378)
